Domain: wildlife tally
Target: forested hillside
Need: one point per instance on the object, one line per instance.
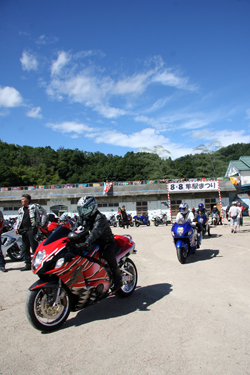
(25, 165)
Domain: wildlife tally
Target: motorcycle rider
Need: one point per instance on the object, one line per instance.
(215, 210)
(2, 260)
(98, 226)
(187, 216)
(202, 211)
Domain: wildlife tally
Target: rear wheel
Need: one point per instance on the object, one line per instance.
(42, 314)
(148, 223)
(181, 255)
(131, 224)
(137, 224)
(114, 225)
(156, 223)
(129, 278)
(15, 252)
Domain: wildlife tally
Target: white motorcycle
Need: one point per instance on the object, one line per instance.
(12, 245)
(112, 220)
(215, 218)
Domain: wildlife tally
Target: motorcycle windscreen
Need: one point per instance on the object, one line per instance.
(61, 232)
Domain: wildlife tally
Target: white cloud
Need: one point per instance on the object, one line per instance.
(248, 114)
(46, 40)
(28, 61)
(146, 138)
(10, 97)
(109, 112)
(225, 137)
(168, 78)
(35, 113)
(131, 85)
(97, 90)
(70, 127)
(62, 59)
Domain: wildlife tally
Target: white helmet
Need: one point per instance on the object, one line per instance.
(184, 208)
(87, 206)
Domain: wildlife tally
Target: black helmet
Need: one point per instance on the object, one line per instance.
(87, 206)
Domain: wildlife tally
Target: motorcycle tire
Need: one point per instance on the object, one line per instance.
(114, 225)
(181, 255)
(148, 223)
(132, 224)
(42, 315)
(156, 223)
(15, 253)
(128, 287)
(137, 224)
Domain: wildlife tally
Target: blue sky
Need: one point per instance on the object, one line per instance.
(117, 76)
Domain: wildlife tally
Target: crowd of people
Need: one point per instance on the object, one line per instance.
(32, 217)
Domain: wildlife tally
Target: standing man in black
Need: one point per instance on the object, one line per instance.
(124, 217)
(27, 223)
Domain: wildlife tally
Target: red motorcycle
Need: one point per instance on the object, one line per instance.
(71, 285)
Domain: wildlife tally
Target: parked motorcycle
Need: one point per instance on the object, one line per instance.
(141, 220)
(12, 245)
(185, 239)
(161, 219)
(121, 222)
(112, 221)
(71, 285)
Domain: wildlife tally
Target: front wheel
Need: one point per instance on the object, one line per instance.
(156, 223)
(43, 314)
(131, 224)
(129, 279)
(15, 252)
(114, 225)
(181, 255)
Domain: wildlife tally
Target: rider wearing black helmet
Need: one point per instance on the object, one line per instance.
(98, 226)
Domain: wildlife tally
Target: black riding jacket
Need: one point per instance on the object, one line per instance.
(99, 228)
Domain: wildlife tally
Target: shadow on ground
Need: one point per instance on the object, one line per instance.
(113, 307)
(204, 254)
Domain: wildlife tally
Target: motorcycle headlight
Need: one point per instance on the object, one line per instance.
(180, 231)
(38, 258)
(59, 263)
(201, 221)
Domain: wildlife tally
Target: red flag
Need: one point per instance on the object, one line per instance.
(106, 187)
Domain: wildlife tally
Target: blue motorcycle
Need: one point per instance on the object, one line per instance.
(185, 239)
(141, 220)
(202, 219)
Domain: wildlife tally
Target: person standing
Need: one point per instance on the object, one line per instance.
(241, 213)
(2, 260)
(234, 215)
(27, 223)
(124, 217)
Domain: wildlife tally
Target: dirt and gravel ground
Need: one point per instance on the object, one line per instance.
(182, 319)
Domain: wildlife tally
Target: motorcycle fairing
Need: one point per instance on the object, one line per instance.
(190, 238)
(181, 243)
